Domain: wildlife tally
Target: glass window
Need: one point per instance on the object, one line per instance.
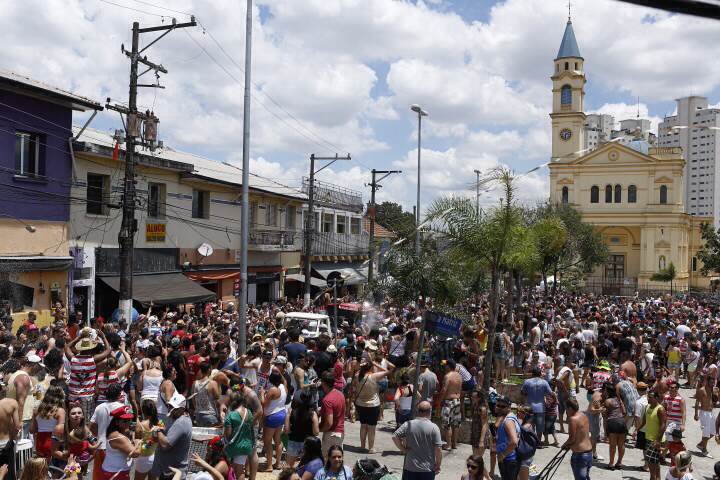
(252, 216)
(355, 226)
(565, 195)
(156, 200)
(618, 194)
(327, 223)
(290, 216)
(594, 194)
(341, 224)
(271, 215)
(98, 193)
(566, 95)
(27, 154)
(694, 264)
(200, 204)
(608, 193)
(663, 194)
(615, 267)
(632, 194)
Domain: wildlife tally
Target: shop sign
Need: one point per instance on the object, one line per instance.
(155, 232)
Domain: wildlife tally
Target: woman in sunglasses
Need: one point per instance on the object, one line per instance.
(475, 469)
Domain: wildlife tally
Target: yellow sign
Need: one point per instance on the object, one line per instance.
(155, 232)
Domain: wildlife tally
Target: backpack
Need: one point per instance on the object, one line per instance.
(527, 443)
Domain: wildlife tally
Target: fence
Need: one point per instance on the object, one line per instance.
(629, 287)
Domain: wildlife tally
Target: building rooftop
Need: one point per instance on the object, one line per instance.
(25, 85)
(188, 163)
(380, 231)
(568, 46)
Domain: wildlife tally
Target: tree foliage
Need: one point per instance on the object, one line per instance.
(709, 254)
(391, 216)
(667, 274)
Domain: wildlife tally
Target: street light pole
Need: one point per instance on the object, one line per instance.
(374, 185)
(477, 192)
(420, 113)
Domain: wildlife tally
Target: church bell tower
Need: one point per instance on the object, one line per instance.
(568, 117)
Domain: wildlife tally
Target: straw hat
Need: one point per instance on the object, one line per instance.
(86, 344)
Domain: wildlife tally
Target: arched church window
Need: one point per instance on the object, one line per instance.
(608, 193)
(567, 65)
(566, 95)
(632, 194)
(576, 66)
(663, 194)
(594, 194)
(565, 195)
(618, 194)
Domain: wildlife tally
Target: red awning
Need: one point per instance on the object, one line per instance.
(354, 307)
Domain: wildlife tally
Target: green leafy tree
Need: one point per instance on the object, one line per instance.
(709, 254)
(667, 274)
(492, 240)
(551, 237)
(391, 216)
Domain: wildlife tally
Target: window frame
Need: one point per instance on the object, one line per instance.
(33, 138)
(200, 204)
(608, 194)
(632, 194)
(594, 194)
(91, 205)
(338, 225)
(328, 227)
(617, 197)
(565, 94)
(355, 225)
(565, 195)
(159, 211)
(290, 217)
(663, 194)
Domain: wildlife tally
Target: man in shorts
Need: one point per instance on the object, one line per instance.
(704, 411)
(450, 398)
(10, 427)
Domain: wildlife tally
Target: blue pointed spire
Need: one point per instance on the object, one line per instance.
(569, 46)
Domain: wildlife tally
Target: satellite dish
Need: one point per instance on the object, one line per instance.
(205, 250)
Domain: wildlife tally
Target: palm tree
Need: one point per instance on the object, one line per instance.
(498, 241)
(666, 275)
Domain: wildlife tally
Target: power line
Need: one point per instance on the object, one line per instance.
(133, 9)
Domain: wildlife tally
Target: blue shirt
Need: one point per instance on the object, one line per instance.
(312, 467)
(535, 390)
(502, 440)
(346, 474)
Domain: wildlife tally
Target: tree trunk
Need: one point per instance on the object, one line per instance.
(491, 327)
(544, 275)
(518, 287)
(555, 279)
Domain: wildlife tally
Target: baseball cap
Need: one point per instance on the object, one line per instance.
(122, 413)
(177, 401)
(331, 349)
(280, 360)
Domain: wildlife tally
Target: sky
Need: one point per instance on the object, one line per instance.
(339, 76)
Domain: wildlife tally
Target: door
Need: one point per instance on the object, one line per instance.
(262, 293)
(614, 274)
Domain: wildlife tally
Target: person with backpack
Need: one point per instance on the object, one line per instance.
(525, 416)
(507, 439)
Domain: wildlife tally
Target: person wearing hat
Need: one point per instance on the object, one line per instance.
(120, 449)
(173, 440)
(84, 357)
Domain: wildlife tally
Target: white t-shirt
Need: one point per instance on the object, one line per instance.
(101, 417)
(682, 330)
(670, 476)
(251, 373)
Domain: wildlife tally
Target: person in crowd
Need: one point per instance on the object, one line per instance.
(332, 414)
(507, 438)
(21, 387)
(615, 425)
(302, 424)
(239, 436)
(48, 421)
(151, 375)
(120, 449)
(166, 391)
(682, 470)
(144, 431)
(674, 405)
(654, 424)
(173, 437)
(334, 467)
(535, 389)
(475, 469)
(578, 441)
(84, 353)
(367, 402)
(275, 413)
(79, 440)
(403, 400)
(99, 422)
(312, 459)
(451, 408)
(525, 417)
(206, 398)
(420, 441)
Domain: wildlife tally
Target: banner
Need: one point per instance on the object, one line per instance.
(155, 232)
(441, 324)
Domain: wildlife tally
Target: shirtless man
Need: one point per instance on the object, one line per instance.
(628, 367)
(704, 403)
(450, 398)
(578, 441)
(10, 428)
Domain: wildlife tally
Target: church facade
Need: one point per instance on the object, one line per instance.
(632, 194)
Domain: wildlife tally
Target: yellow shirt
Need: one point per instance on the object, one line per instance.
(652, 423)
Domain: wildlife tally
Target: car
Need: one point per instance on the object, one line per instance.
(311, 325)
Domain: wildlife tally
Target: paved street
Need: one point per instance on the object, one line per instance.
(453, 465)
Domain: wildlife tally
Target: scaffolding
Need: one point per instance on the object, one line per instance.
(334, 196)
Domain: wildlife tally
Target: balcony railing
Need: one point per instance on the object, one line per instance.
(339, 244)
(275, 239)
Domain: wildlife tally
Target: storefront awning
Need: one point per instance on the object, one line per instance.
(35, 263)
(297, 277)
(354, 273)
(164, 289)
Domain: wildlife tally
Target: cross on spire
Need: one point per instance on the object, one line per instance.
(569, 11)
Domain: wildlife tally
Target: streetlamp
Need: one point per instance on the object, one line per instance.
(477, 192)
(420, 113)
(28, 227)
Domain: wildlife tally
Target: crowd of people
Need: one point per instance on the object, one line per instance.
(111, 399)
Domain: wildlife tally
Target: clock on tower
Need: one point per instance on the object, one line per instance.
(565, 134)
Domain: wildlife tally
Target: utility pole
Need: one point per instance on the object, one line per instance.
(136, 136)
(477, 192)
(244, 213)
(374, 185)
(310, 219)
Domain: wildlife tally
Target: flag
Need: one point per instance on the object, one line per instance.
(116, 151)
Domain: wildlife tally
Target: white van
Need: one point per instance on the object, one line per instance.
(311, 325)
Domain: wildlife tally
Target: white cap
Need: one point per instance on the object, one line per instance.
(177, 401)
(32, 358)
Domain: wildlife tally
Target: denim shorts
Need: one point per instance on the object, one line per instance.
(294, 449)
(580, 464)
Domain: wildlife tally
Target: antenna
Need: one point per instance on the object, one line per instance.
(638, 107)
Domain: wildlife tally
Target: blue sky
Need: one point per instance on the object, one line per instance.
(344, 72)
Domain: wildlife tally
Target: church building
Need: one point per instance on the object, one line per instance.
(633, 193)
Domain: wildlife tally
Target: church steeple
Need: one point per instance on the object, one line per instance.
(568, 117)
(568, 46)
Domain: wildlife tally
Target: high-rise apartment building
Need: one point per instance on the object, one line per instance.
(598, 129)
(694, 129)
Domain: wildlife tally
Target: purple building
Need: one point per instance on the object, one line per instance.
(36, 173)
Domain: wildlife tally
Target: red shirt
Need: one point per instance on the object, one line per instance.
(334, 402)
(338, 373)
(178, 333)
(193, 363)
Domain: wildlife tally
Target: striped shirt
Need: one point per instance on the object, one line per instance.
(83, 374)
(104, 380)
(673, 408)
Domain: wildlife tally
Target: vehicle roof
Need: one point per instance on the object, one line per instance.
(307, 315)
